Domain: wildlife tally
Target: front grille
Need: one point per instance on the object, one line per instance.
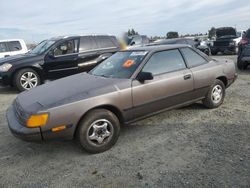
(221, 43)
(20, 113)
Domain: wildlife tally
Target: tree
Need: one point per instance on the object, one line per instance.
(172, 34)
(211, 32)
(132, 32)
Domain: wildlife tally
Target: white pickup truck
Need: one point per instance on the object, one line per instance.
(11, 47)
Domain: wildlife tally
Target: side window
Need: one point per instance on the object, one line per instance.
(14, 46)
(193, 59)
(165, 61)
(87, 43)
(3, 47)
(104, 42)
(67, 47)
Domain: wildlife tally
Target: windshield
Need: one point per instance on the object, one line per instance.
(120, 65)
(226, 32)
(42, 47)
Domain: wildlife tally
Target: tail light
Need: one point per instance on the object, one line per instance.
(244, 41)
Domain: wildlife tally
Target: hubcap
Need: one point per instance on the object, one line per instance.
(217, 94)
(28, 80)
(100, 131)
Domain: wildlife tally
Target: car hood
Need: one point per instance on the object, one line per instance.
(17, 59)
(67, 90)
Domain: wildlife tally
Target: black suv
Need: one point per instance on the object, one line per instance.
(224, 41)
(55, 58)
(191, 42)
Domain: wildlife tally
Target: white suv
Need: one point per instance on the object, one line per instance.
(12, 47)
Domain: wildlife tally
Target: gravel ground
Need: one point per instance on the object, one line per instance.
(187, 147)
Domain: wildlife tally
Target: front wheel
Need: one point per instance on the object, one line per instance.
(26, 79)
(215, 95)
(98, 131)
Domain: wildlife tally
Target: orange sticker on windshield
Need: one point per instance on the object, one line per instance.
(128, 63)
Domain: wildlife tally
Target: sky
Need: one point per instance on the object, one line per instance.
(34, 20)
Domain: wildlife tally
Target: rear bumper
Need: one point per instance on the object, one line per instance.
(19, 131)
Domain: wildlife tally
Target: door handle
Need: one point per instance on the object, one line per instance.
(186, 77)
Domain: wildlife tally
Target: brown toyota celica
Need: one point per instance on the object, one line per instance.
(128, 86)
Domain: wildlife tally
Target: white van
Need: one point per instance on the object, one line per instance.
(11, 47)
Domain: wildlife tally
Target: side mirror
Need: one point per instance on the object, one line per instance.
(51, 54)
(132, 43)
(142, 76)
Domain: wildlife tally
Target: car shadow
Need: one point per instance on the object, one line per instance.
(8, 90)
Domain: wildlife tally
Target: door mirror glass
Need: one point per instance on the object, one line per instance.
(143, 76)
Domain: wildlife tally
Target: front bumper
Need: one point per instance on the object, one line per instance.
(224, 49)
(18, 130)
(5, 78)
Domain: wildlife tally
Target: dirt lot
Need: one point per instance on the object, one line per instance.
(187, 147)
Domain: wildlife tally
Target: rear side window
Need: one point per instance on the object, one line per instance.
(87, 43)
(165, 61)
(193, 59)
(3, 47)
(104, 42)
(14, 46)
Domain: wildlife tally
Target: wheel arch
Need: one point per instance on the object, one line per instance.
(38, 70)
(223, 79)
(111, 108)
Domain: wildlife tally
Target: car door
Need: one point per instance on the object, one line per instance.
(62, 60)
(4, 50)
(172, 84)
(201, 69)
(88, 53)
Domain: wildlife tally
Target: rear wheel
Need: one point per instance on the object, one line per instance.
(98, 131)
(26, 79)
(215, 95)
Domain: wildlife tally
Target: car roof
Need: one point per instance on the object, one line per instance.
(73, 36)
(158, 47)
(10, 40)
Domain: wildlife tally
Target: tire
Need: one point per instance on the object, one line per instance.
(215, 95)
(207, 52)
(92, 134)
(214, 52)
(29, 76)
(242, 65)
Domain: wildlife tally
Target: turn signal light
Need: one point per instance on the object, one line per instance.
(37, 120)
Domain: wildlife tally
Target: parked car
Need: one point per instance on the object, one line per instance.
(55, 58)
(194, 43)
(12, 47)
(245, 41)
(128, 86)
(244, 58)
(224, 41)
